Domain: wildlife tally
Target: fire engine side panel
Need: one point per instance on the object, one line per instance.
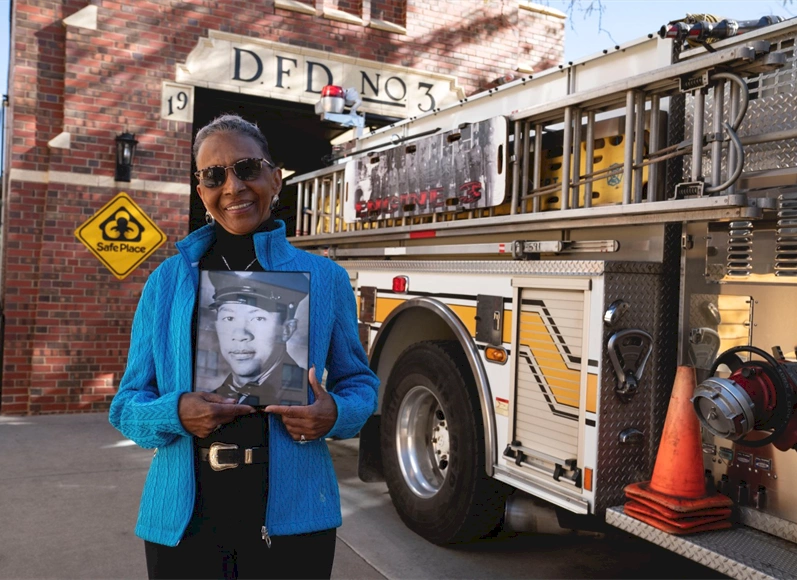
(651, 291)
(457, 291)
(440, 280)
(547, 403)
(554, 381)
(756, 310)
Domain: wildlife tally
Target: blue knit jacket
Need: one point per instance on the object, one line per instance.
(303, 492)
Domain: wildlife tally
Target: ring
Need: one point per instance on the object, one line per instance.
(302, 440)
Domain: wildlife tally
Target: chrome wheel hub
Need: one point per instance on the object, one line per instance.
(422, 442)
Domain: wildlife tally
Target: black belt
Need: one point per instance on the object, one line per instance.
(223, 456)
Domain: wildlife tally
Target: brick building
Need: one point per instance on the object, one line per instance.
(84, 72)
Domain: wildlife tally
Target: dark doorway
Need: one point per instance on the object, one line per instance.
(298, 139)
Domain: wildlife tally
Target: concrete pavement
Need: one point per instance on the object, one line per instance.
(69, 492)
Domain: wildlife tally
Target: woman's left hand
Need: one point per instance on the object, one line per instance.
(308, 421)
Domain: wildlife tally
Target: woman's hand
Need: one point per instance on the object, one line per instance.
(311, 421)
(203, 413)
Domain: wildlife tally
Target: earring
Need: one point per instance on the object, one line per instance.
(275, 202)
(209, 219)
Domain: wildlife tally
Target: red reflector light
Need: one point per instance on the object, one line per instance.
(332, 91)
(421, 235)
(401, 284)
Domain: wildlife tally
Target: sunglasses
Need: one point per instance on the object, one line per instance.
(244, 169)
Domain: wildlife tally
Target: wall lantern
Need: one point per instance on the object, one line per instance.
(125, 151)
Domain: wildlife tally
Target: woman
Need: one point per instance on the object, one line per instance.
(268, 508)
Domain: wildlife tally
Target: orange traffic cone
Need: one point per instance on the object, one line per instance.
(678, 484)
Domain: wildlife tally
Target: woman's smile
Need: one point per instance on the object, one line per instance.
(238, 206)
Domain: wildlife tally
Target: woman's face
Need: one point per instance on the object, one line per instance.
(238, 206)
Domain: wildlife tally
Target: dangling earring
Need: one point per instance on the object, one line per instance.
(275, 202)
(209, 219)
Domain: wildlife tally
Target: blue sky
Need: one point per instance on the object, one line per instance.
(586, 33)
(589, 33)
(5, 14)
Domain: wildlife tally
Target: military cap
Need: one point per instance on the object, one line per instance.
(235, 288)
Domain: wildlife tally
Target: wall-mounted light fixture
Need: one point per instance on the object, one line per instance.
(125, 152)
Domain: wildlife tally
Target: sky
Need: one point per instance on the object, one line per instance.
(5, 15)
(589, 32)
(586, 32)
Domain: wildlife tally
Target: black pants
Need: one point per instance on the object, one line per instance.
(208, 555)
(223, 538)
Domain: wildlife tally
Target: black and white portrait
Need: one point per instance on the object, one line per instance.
(252, 336)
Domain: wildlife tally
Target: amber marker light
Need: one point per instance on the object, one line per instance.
(496, 354)
(588, 478)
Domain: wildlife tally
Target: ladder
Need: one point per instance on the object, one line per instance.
(639, 113)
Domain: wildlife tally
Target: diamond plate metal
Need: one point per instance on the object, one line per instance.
(653, 300)
(741, 553)
(771, 108)
(768, 523)
(544, 267)
(558, 267)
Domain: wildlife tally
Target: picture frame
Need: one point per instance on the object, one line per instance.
(252, 336)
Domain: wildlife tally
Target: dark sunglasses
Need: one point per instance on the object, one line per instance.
(244, 169)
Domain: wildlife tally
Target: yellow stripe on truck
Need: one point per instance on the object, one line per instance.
(559, 378)
(384, 306)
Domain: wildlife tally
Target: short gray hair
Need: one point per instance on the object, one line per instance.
(232, 124)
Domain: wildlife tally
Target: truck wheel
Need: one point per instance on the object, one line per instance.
(433, 446)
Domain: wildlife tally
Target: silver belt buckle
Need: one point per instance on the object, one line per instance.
(213, 456)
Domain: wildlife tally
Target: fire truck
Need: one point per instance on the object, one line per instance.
(533, 263)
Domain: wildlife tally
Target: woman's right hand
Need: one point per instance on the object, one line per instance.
(202, 413)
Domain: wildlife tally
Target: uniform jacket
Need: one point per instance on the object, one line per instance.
(271, 390)
(302, 492)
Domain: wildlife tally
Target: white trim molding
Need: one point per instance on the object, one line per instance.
(341, 16)
(86, 18)
(387, 26)
(61, 141)
(91, 180)
(295, 6)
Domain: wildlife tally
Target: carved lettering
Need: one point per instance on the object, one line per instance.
(402, 87)
(310, 66)
(237, 73)
(366, 79)
(283, 71)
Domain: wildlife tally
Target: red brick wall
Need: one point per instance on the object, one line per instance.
(67, 318)
(353, 7)
(393, 11)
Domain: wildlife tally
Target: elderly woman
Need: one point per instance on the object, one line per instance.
(268, 505)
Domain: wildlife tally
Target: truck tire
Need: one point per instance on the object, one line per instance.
(432, 440)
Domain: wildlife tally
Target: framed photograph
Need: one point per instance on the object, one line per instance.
(252, 336)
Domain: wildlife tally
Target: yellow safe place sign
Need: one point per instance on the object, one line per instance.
(121, 235)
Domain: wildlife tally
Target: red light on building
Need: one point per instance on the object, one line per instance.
(332, 91)
(332, 99)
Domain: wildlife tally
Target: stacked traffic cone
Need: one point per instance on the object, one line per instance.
(676, 499)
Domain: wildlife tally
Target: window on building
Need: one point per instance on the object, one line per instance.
(392, 11)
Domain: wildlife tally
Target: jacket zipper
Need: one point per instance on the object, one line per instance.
(263, 528)
(265, 536)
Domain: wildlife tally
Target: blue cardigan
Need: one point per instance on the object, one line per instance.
(303, 492)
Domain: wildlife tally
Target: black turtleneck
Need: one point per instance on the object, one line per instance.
(239, 251)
